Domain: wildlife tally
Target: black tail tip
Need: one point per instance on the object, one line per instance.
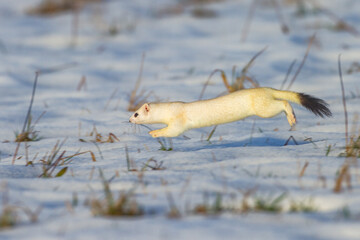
(316, 105)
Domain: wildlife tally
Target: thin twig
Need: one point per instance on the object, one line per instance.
(303, 61)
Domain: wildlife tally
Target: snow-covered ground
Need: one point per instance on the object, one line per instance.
(244, 161)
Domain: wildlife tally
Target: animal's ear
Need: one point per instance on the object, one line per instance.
(147, 107)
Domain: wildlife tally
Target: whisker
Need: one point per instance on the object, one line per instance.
(147, 127)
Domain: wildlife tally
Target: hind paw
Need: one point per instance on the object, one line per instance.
(291, 119)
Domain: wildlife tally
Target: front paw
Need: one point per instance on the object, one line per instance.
(154, 133)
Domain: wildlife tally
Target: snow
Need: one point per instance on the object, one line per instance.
(180, 53)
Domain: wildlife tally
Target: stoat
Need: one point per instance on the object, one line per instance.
(262, 102)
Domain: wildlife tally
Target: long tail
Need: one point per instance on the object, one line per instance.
(316, 105)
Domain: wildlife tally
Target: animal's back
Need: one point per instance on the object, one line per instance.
(228, 108)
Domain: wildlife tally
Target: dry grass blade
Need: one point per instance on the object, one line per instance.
(126, 204)
(354, 68)
(92, 156)
(165, 144)
(288, 73)
(98, 138)
(344, 175)
(284, 26)
(302, 206)
(207, 209)
(31, 101)
(352, 147)
(129, 162)
(52, 7)
(155, 164)
(30, 134)
(33, 215)
(111, 97)
(238, 82)
(27, 115)
(66, 159)
(302, 172)
(344, 101)
(112, 138)
(136, 100)
(8, 217)
(82, 84)
(52, 166)
(227, 85)
(251, 12)
(57, 68)
(269, 204)
(223, 76)
(248, 20)
(211, 134)
(340, 24)
(174, 210)
(249, 64)
(303, 61)
(245, 205)
(53, 161)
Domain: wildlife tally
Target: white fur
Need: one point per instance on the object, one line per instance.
(180, 116)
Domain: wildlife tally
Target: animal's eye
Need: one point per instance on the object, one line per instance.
(136, 114)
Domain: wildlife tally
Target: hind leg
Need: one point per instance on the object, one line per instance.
(290, 115)
(271, 108)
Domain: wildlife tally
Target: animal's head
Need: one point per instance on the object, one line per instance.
(141, 115)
